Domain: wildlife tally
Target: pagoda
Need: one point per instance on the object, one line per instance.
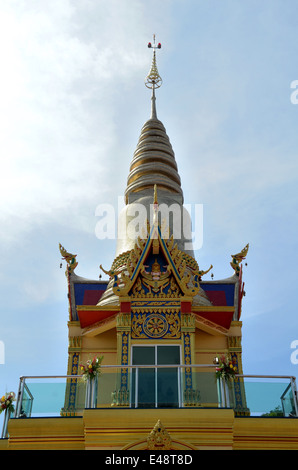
(159, 328)
(156, 308)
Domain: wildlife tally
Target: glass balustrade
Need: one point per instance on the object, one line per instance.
(147, 386)
(50, 396)
(155, 386)
(270, 396)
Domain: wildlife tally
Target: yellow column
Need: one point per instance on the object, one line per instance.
(188, 344)
(72, 398)
(235, 351)
(123, 326)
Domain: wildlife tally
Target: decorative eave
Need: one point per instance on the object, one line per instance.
(209, 326)
(218, 318)
(101, 326)
(92, 314)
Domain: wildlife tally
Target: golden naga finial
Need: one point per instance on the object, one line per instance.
(202, 273)
(111, 272)
(237, 259)
(69, 258)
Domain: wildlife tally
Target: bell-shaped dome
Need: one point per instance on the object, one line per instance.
(153, 162)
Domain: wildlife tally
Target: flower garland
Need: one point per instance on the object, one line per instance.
(225, 368)
(6, 402)
(92, 368)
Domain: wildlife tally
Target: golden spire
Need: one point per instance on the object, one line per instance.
(153, 161)
(153, 79)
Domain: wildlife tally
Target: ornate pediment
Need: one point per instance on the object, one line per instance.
(155, 267)
(140, 272)
(155, 279)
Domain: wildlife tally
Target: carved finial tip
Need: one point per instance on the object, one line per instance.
(155, 200)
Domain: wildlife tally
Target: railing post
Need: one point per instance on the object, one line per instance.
(20, 397)
(294, 392)
(88, 393)
(5, 424)
(94, 392)
(180, 392)
(219, 392)
(223, 391)
(91, 393)
(136, 387)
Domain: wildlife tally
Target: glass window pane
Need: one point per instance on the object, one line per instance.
(146, 388)
(143, 355)
(168, 355)
(167, 387)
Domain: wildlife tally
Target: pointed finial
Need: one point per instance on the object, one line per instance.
(155, 201)
(153, 79)
(155, 210)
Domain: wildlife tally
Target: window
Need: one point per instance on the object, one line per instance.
(155, 387)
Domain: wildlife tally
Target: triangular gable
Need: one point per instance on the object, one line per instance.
(155, 279)
(183, 267)
(127, 267)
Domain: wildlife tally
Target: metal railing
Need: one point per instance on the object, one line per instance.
(155, 386)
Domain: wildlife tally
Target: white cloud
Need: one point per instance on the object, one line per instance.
(65, 69)
(57, 93)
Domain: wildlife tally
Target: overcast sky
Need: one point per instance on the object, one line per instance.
(72, 104)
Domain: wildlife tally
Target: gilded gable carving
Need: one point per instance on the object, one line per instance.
(155, 283)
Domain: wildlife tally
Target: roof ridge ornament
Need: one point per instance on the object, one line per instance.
(153, 79)
(238, 258)
(69, 258)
